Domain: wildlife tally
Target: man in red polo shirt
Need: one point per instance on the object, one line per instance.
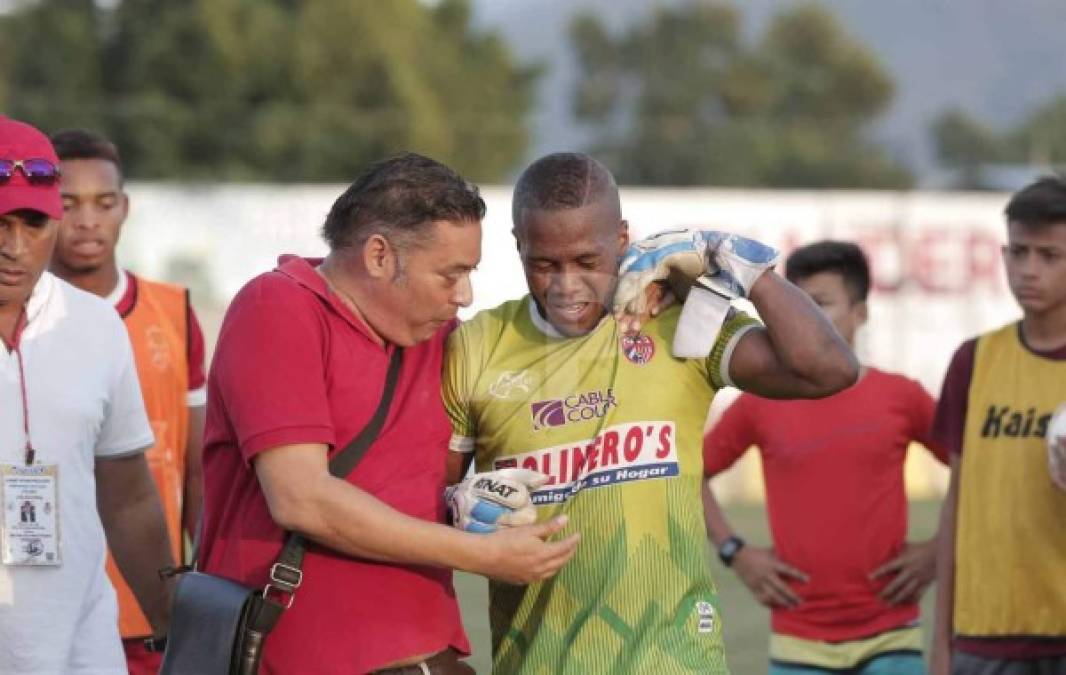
(297, 373)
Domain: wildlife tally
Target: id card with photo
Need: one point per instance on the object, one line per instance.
(29, 532)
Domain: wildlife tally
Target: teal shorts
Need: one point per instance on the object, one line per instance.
(890, 663)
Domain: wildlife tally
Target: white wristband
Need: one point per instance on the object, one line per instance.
(701, 320)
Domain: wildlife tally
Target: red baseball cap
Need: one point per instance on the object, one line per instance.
(20, 141)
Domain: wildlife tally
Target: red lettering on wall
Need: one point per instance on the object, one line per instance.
(939, 258)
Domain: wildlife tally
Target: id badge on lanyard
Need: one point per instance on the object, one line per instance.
(29, 532)
(29, 495)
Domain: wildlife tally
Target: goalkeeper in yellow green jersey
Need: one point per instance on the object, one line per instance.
(566, 411)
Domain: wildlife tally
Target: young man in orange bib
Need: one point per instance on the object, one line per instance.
(168, 347)
(1001, 566)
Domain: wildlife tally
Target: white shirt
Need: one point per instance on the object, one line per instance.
(84, 403)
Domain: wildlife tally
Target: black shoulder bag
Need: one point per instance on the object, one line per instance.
(218, 626)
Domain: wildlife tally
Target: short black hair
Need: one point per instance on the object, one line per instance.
(841, 257)
(400, 197)
(560, 181)
(1039, 204)
(85, 144)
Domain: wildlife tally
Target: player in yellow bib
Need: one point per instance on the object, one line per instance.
(551, 382)
(1001, 558)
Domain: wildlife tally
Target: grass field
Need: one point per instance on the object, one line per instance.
(746, 622)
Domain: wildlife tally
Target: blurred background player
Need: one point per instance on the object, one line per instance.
(551, 382)
(168, 348)
(841, 581)
(1001, 597)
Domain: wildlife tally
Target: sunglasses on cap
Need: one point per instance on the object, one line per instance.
(37, 171)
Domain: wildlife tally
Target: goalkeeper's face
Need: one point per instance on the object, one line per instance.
(570, 257)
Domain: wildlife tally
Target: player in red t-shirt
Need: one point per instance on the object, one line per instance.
(841, 580)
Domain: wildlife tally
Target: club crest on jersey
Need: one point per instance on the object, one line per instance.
(556, 412)
(638, 348)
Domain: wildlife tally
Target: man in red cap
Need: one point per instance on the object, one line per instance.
(72, 435)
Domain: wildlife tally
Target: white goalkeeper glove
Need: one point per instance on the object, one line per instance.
(706, 267)
(1056, 446)
(486, 501)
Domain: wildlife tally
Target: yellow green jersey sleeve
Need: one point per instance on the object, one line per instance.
(617, 424)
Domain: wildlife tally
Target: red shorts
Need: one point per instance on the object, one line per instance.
(140, 660)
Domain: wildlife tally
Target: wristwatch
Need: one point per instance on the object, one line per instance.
(729, 550)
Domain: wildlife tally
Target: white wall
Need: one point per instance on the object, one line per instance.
(935, 255)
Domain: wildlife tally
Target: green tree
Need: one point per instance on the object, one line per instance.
(57, 78)
(684, 100)
(276, 89)
(971, 147)
(967, 145)
(656, 93)
(483, 89)
(961, 140)
(1041, 138)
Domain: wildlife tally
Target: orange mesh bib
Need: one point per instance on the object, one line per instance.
(157, 325)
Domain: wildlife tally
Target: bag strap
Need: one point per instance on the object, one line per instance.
(346, 460)
(285, 574)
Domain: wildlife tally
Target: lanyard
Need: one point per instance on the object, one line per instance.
(20, 324)
(30, 452)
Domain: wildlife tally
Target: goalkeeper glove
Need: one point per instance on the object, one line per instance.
(717, 267)
(486, 501)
